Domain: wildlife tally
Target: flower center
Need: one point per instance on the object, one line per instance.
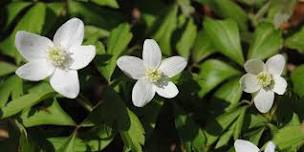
(58, 57)
(154, 75)
(264, 79)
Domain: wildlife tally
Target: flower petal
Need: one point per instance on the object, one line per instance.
(245, 146)
(132, 66)
(254, 66)
(263, 100)
(168, 90)
(69, 34)
(32, 46)
(249, 83)
(142, 93)
(280, 85)
(82, 56)
(35, 70)
(151, 54)
(270, 147)
(65, 83)
(173, 65)
(275, 65)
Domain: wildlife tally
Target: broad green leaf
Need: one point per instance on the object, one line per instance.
(110, 3)
(229, 9)
(224, 138)
(230, 92)
(164, 32)
(189, 132)
(133, 138)
(35, 95)
(216, 127)
(93, 33)
(255, 135)
(51, 115)
(6, 68)
(297, 79)
(11, 87)
(289, 136)
(184, 45)
(12, 10)
(296, 40)
(37, 12)
(117, 43)
(68, 145)
(239, 123)
(266, 42)
(225, 37)
(212, 73)
(202, 46)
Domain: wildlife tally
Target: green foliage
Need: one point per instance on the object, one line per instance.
(210, 111)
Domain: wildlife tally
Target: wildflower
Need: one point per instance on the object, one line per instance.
(58, 59)
(263, 80)
(151, 73)
(246, 146)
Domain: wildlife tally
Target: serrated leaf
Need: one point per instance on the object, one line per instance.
(117, 43)
(225, 37)
(202, 46)
(296, 40)
(185, 43)
(11, 87)
(164, 32)
(289, 136)
(37, 12)
(51, 115)
(26, 101)
(12, 10)
(266, 42)
(68, 145)
(213, 72)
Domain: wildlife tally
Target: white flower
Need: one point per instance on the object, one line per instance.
(263, 80)
(246, 146)
(151, 73)
(58, 59)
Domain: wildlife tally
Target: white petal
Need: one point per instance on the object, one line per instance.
(245, 146)
(249, 83)
(280, 85)
(142, 93)
(151, 54)
(132, 66)
(82, 56)
(167, 90)
(32, 46)
(173, 65)
(254, 66)
(263, 100)
(270, 147)
(65, 83)
(35, 70)
(275, 65)
(69, 34)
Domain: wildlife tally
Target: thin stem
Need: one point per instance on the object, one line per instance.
(84, 103)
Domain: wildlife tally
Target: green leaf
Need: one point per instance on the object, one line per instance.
(266, 42)
(225, 38)
(239, 123)
(35, 95)
(280, 11)
(117, 43)
(213, 72)
(37, 12)
(164, 32)
(297, 79)
(110, 3)
(6, 68)
(68, 145)
(229, 9)
(133, 138)
(12, 10)
(202, 46)
(289, 136)
(11, 87)
(296, 40)
(230, 92)
(51, 115)
(184, 45)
